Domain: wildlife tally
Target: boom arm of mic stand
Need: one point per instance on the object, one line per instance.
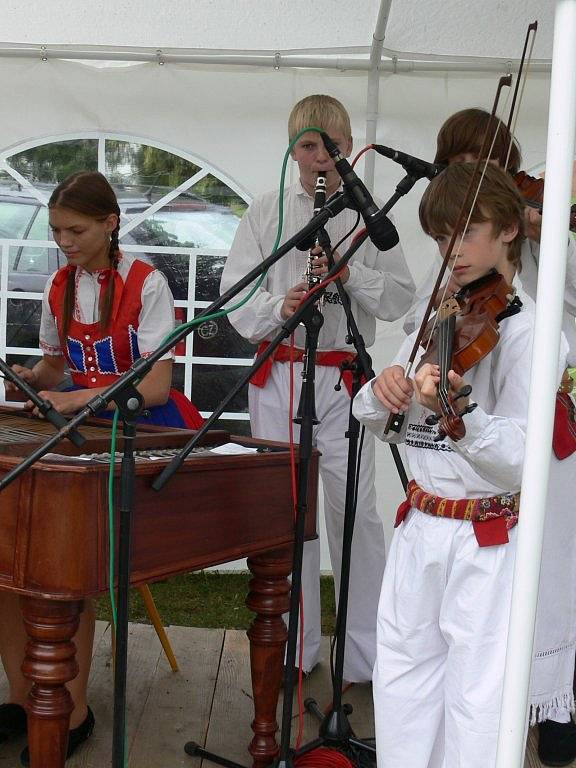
(289, 326)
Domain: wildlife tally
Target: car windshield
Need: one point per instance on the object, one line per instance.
(213, 227)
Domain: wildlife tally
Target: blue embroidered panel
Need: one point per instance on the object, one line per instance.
(76, 353)
(104, 350)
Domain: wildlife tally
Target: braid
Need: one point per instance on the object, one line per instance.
(69, 297)
(114, 256)
(114, 252)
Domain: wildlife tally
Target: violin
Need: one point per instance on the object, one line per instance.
(464, 330)
(454, 333)
(532, 190)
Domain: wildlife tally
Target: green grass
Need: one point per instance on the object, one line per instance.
(208, 599)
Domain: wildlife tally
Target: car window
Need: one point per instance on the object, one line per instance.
(40, 229)
(15, 218)
(34, 261)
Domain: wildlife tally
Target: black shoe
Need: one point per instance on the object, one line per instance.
(13, 721)
(76, 737)
(556, 742)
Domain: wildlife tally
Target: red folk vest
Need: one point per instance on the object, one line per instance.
(97, 358)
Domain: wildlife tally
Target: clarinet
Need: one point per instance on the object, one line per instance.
(319, 200)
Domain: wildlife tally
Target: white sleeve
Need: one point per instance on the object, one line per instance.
(49, 341)
(156, 318)
(380, 281)
(570, 289)
(260, 316)
(570, 285)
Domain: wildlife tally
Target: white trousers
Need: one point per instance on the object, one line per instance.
(551, 695)
(269, 416)
(442, 631)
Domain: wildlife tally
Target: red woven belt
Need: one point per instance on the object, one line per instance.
(492, 517)
(285, 354)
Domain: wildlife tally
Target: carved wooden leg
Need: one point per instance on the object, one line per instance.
(49, 663)
(269, 598)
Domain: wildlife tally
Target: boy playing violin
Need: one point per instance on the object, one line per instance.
(445, 599)
(551, 691)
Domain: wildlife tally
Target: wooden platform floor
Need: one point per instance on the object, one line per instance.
(208, 701)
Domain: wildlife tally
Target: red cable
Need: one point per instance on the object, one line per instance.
(323, 757)
(359, 155)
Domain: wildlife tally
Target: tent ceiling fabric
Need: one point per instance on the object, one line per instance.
(431, 28)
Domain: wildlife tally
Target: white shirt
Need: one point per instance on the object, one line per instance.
(529, 280)
(380, 284)
(488, 459)
(156, 318)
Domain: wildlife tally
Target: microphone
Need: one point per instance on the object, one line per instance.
(379, 227)
(412, 165)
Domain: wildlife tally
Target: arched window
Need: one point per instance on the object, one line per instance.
(178, 212)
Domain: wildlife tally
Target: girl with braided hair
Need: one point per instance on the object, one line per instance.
(100, 312)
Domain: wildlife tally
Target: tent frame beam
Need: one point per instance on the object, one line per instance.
(338, 59)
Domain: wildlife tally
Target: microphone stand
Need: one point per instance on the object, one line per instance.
(335, 730)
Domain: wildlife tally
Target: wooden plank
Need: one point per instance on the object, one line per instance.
(531, 759)
(179, 704)
(101, 634)
(165, 710)
(144, 651)
(229, 732)
(319, 687)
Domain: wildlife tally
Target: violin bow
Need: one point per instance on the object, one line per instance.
(513, 116)
(396, 420)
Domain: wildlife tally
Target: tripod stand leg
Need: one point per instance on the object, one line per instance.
(195, 750)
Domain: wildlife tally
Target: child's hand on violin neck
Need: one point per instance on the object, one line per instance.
(426, 383)
(393, 389)
(532, 224)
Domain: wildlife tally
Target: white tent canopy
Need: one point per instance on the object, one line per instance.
(414, 29)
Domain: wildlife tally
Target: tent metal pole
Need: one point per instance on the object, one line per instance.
(543, 384)
(373, 89)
